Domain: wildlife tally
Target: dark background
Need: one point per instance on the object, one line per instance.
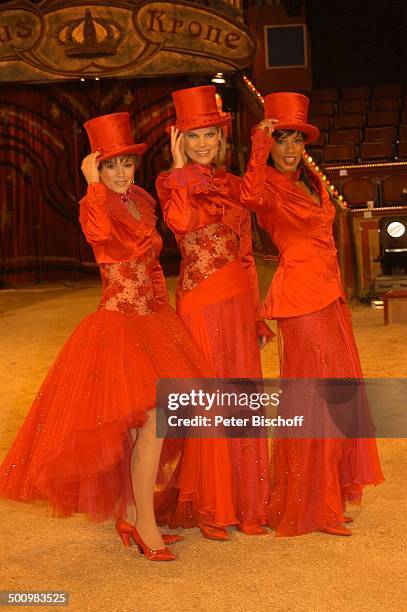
(358, 43)
(354, 42)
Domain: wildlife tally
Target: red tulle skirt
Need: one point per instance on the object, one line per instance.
(73, 448)
(314, 478)
(222, 481)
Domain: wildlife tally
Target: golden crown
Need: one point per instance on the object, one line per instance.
(90, 36)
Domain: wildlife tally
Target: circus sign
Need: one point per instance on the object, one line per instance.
(67, 39)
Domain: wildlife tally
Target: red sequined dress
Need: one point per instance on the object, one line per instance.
(73, 447)
(312, 478)
(222, 482)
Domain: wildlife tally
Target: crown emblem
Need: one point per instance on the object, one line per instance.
(90, 37)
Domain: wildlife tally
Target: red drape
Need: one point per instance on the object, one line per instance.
(42, 143)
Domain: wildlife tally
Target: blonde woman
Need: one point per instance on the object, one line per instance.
(222, 482)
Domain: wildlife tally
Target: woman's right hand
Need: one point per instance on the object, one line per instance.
(268, 125)
(177, 148)
(90, 168)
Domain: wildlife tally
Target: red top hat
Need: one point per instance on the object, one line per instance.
(196, 108)
(111, 135)
(291, 109)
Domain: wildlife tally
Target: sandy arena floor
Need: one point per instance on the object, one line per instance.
(312, 573)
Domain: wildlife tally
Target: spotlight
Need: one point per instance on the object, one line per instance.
(395, 229)
(82, 79)
(219, 78)
(393, 244)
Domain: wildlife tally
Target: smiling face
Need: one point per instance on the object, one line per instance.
(117, 173)
(287, 150)
(202, 145)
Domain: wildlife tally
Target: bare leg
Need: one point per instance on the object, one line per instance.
(131, 513)
(144, 465)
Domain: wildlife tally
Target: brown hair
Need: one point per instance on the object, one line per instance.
(121, 158)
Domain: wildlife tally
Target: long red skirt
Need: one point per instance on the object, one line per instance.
(314, 478)
(73, 448)
(223, 481)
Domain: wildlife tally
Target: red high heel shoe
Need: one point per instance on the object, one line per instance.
(211, 532)
(339, 530)
(252, 529)
(127, 531)
(171, 538)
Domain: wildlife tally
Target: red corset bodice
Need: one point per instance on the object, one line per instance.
(128, 286)
(204, 251)
(194, 200)
(125, 248)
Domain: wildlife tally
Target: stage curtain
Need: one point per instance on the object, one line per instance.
(42, 143)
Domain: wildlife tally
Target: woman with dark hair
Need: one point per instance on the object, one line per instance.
(312, 478)
(89, 442)
(222, 482)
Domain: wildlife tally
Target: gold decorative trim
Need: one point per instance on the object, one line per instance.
(71, 39)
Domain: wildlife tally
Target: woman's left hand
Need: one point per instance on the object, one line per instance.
(268, 126)
(264, 333)
(177, 147)
(262, 340)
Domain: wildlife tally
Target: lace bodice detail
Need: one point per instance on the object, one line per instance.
(128, 286)
(204, 251)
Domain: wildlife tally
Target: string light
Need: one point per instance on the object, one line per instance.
(368, 165)
(253, 89)
(307, 158)
(381, 209)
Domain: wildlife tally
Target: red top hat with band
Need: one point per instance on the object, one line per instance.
(111, 135)
(196, 108)
(291, 109)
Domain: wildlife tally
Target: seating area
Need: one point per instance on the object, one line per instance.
(360, 124)
(388, 191)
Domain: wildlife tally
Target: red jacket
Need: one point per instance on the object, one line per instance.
(308, 276)
(115, 235)
(192, 197)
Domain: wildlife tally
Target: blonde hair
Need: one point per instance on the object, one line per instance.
(220, 158)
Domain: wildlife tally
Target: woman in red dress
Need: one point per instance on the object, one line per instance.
(93, 417)
(313, 478)
(222, 482)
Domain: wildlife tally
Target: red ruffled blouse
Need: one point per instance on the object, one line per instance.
(194, 197)
(116, 236)
(308, 276)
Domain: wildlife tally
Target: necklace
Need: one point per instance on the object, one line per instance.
(125, 196)
(132, 208)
